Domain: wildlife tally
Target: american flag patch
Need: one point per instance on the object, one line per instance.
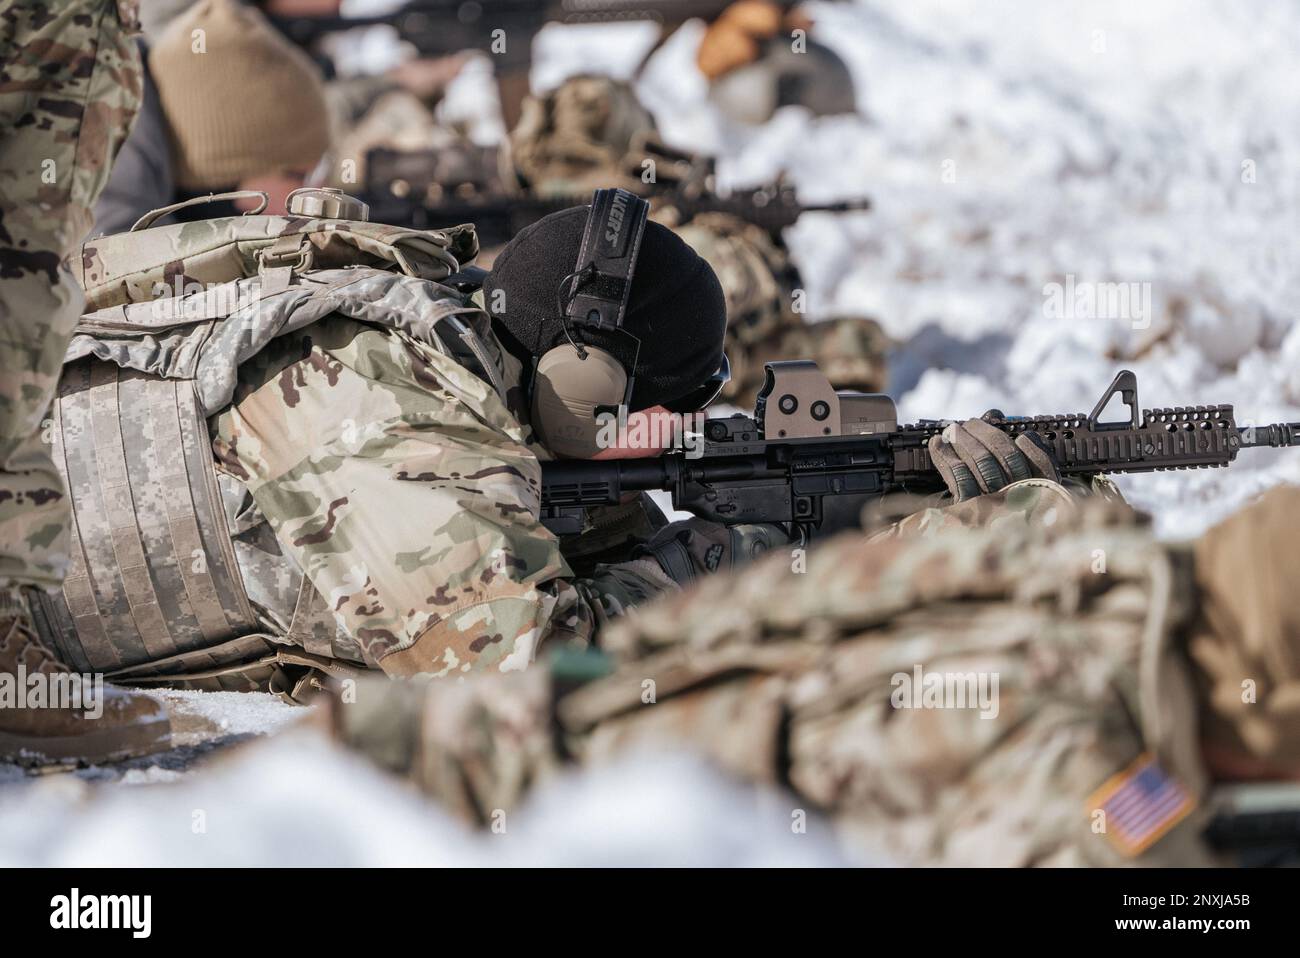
(1140, 804)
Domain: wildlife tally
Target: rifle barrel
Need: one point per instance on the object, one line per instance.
(1277, 434)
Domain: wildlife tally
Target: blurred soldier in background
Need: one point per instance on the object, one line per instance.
(1054, 687)
(593, 131)
(351, 95)
(242, 108)
(756, 54)
(71, 87)
(436, 42)
(758, 58)
(236, 107)
(761, 284)
(398, 120)
(588, 132)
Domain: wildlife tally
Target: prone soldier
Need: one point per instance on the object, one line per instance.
(370, 497)
(368, 493)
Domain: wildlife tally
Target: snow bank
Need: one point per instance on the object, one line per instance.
(297, 800)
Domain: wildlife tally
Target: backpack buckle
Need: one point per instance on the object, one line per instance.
(286, 258)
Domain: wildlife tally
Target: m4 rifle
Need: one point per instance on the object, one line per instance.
(810, 458)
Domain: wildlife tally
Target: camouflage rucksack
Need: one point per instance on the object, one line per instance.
(173, 575)
(579, 135)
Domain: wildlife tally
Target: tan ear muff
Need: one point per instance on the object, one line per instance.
(567, 391)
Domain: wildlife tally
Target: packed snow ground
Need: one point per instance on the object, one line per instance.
(295, 800)
(1006, 146)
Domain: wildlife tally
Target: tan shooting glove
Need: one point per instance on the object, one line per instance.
(975, 458)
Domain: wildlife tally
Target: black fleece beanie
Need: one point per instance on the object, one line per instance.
(675, 307)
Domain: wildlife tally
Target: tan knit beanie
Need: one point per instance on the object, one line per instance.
(240, 99)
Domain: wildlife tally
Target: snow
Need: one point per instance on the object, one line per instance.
(298, 800)
(1111, 142)
(232, 713)
(1006, 146)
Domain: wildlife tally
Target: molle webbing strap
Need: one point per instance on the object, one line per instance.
(233, 655)
(153, 572)
(252, 663)
(130, 568)
(173, 481)
(78, 614)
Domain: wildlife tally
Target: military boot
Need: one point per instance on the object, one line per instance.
(35, 730)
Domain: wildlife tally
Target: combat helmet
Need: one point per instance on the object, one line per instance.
(816, 79)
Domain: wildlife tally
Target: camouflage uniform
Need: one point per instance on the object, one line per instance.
(791, 679)
(70, 86)
(69, 89)
(415, 516)
(371, 493)
(593, 132)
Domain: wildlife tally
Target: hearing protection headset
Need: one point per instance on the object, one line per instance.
(576, 380)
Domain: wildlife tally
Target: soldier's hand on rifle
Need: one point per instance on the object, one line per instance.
(975, 458)
(691, 548)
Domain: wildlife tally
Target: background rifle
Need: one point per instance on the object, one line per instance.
(497, 219)
(811, 458)
(407, 188)
(438, 27)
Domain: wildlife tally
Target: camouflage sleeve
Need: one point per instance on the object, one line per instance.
(975, 697)
(1036, 500)
(403, 487)
(477, 747)
(69, 88)
(1025, 501)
